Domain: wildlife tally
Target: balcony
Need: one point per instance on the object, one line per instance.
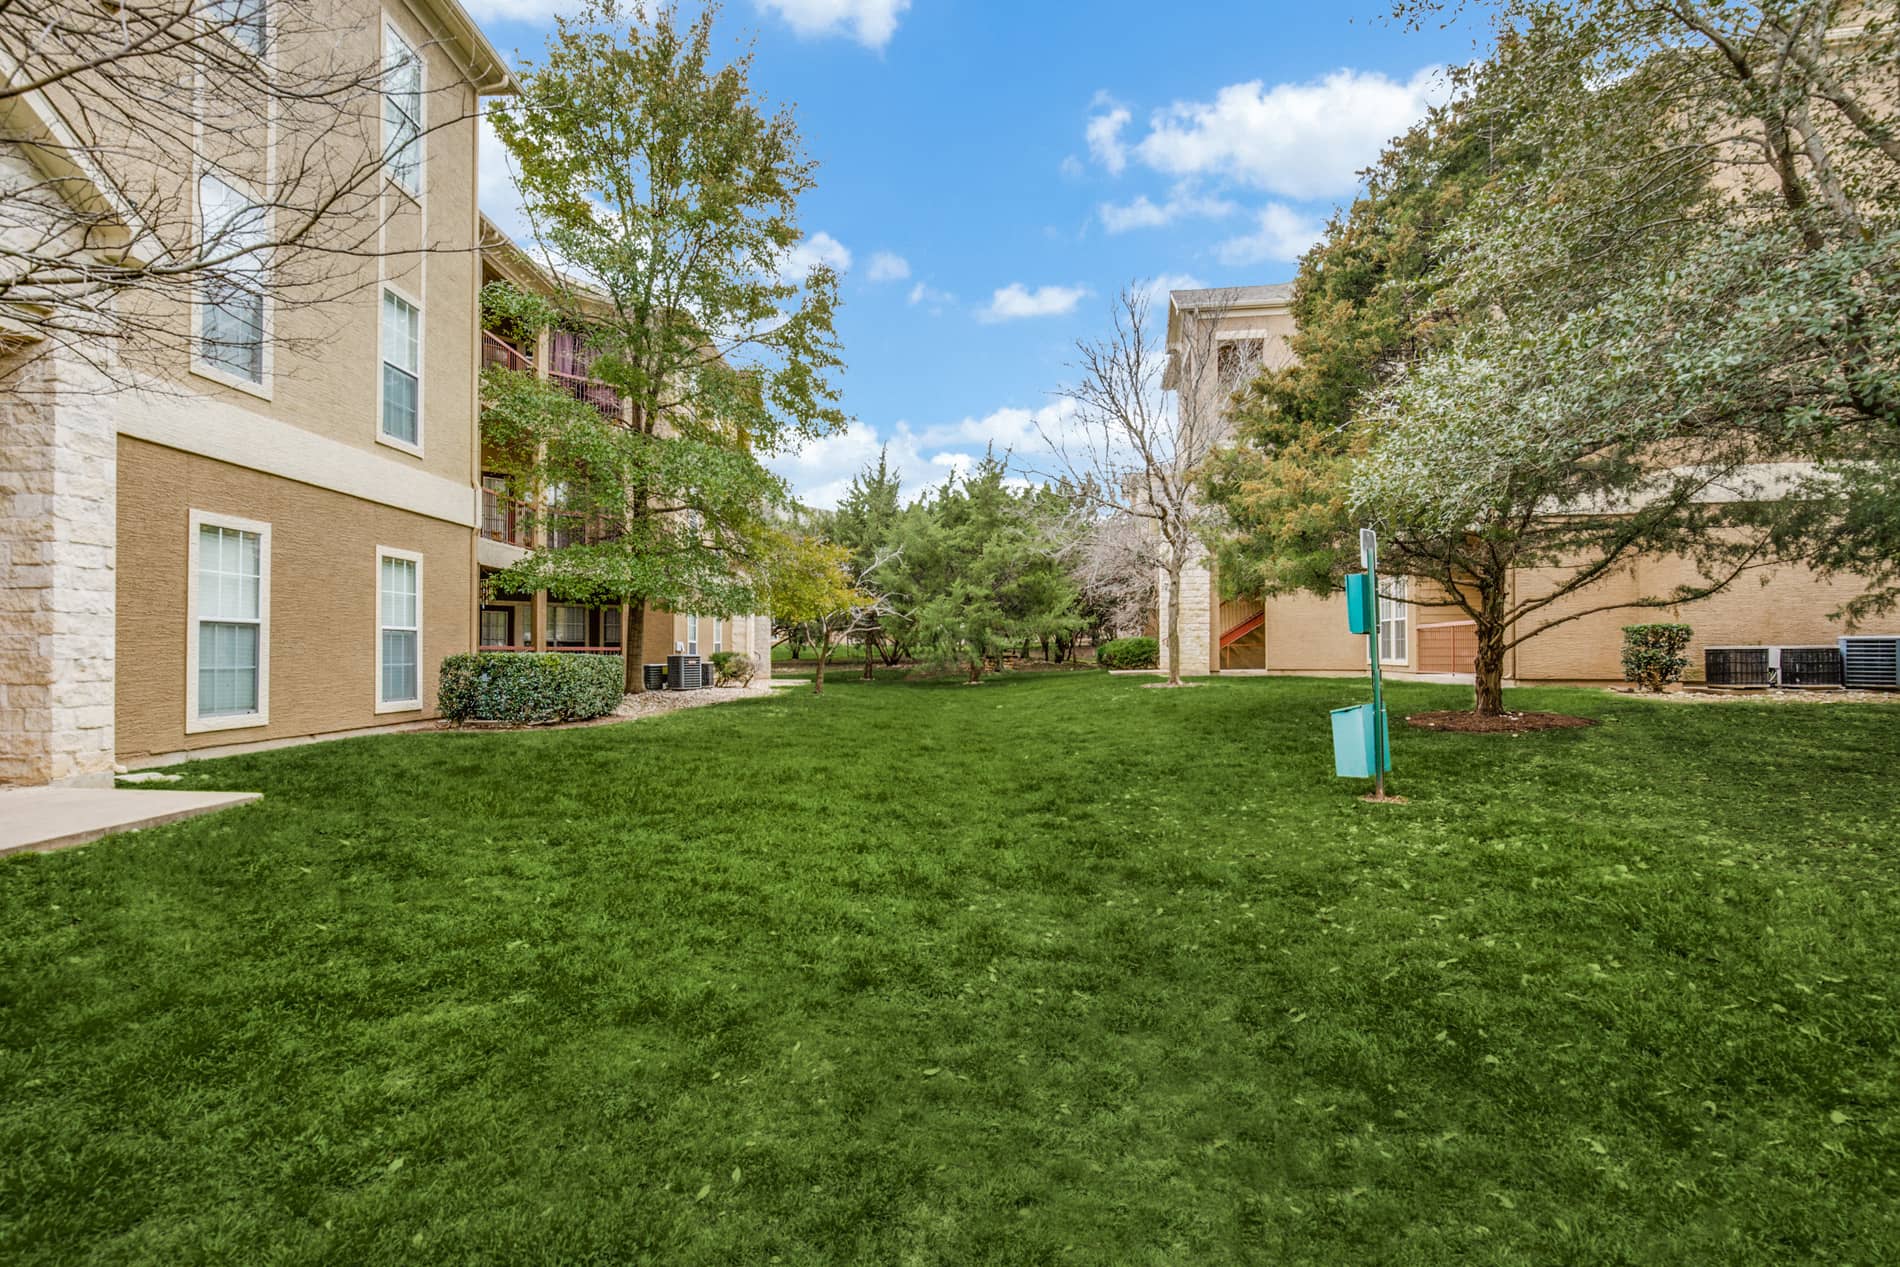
(504, 519)
(568, 362)
(498, 352)
(590, 391)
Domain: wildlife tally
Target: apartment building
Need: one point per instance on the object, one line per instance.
(509, 528)
(1247, 327)
(264, 518)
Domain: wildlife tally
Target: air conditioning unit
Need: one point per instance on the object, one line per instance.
(1808, 666)
(1738, 666)
(1870, 660)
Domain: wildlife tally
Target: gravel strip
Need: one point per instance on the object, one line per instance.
(652, 703)
(1762, 695)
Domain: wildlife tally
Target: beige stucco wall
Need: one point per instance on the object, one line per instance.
(322, 599)
(1787, 606)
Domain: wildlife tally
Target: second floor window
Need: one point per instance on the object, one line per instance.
(402, 370)
(1236, 359)
(231, 298)
(402, 111)
(242, 21)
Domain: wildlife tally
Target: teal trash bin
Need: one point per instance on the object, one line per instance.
(1353, 735)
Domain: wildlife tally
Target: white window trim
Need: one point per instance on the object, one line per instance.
(1401, 599)
(267, 319)
(717, 645)
(195, 724)
(692, 635)
(421, 363)
(391, 30)
(400, 705)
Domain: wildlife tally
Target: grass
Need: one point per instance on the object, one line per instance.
(1055, 970)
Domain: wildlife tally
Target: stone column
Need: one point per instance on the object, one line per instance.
(58, 544)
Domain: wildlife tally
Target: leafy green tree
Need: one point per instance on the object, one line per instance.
(1492, 414)
(866, 523)
(813, 586)
(663, 197)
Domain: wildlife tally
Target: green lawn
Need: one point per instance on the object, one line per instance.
(1055, 970)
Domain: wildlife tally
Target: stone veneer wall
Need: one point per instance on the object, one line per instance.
(1197, 616)
(58, 529)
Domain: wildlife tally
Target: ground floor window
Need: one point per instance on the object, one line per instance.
(568, 625)
(1394, 619)
(229, 615)
(399, 630)
(610, 627)
(692, 635)
(718, 645)
(498, 626)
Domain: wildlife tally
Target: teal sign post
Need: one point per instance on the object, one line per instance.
(1362, 744)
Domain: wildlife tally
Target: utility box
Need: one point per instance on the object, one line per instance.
(1362, 612)
(1355, 740)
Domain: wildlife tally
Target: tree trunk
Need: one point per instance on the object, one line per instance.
(633, 637)
(870, 660)
(1045, 650)
(1174, 618)
(976, 669)
(1488, 670)
(818, 678)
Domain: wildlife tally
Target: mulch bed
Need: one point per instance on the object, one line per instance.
(1467, 722)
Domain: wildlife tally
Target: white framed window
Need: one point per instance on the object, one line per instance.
(610, 627)
(692, 635)
(1395, 620)
(398, 630)
(244, 22)
(227, 617)
(400, 389)
(232, 344)
(402, 111)
(718, 645)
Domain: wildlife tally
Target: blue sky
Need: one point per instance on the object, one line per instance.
(991, 173)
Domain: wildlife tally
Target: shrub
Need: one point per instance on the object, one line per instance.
(1129, 653)
(519, 686)
(1653, 654)
(733, 668)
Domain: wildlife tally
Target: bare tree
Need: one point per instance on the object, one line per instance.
(1112, 559)
(1146, 417)
(225, 158)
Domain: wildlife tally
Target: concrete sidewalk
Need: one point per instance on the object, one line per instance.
(41, 818)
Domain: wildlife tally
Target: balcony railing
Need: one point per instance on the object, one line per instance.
(498, 351)
(505, 519)
(590, 391)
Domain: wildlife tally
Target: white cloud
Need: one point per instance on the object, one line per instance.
(820, 473)
(888, 266)
(1143, 213)
(1280, 233)
(1156, 288)
(819, 248)
(1104, 133)
(1071, 167)
(1016, 301)
(1305, 140)
(871, 22)
(496, 193)
(925, 293)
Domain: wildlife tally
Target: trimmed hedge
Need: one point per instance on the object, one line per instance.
(520, 686)
(1129, 653)
(1653, 654)
(734, 668)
